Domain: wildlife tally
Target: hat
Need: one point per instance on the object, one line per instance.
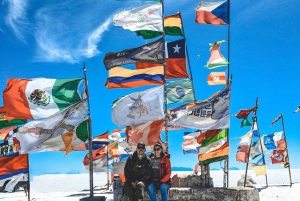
(157, 144)
(141, 145)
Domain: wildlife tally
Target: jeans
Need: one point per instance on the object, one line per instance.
(152, 189)
(134, 194)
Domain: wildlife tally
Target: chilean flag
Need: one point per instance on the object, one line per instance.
(212, 13)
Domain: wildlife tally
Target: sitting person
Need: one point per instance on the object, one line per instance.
(161, 173)
(137, 172)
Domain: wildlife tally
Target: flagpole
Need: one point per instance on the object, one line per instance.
(188, 59)
(107, 164)
(287, 153)
(89, 136)
(28, 181)
(165, 86)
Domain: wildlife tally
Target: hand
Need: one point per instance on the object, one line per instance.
(157, 183)
(133, 184)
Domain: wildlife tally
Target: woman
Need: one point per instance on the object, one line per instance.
(161, 173)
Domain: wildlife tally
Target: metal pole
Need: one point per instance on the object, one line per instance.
(28, 181)
(107, 165)
(89, 136)
(287, 153)
(188, 59)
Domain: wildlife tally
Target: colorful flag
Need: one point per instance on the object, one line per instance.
(259, 167)
(214, 156)
(208, 133)
(99, 141)
(243, 147)
(146, 17)
(149, 133)
(216, 78)
(40, 97)
(275, 120)
(190, 145)
(175, 60)
(13, 165)
(4, 132)
(210, 114)
(172, 27)
(4, 123)
(125, 78)
(273, 141)
(278, 157)
(242, 114)
(215, 13)
(139, 107)
(216, 59)
(180, 91)
(297, 110)
(210, 144)
(151, 53)
(255, 150)
(43, 134)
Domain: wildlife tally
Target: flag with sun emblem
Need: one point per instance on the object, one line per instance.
(180, 91)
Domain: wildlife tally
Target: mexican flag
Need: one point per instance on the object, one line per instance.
(40, 97)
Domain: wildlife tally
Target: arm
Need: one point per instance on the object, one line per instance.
(167, 176)
(127, 171)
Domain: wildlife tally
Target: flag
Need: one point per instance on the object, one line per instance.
(4, 132)
(10, 186)
(4, 123)
(242, 114)
(245, 122)
(180, 91)
(214, 156)
(210, 144)
(149, 133)
(275, 120)
(210, 114)
(208, 133)
(119, 166)
(297, 110)
(13, 165)
(216, 59)
(259, 167)
(215, 13)
(151, 53)
(175, 60)
(42, 135)
(146, 17)
(243, 147)
(139, 107)
(216, 78)
(255, 150)
(279, 157)
(40, 97)
(172, 27)
(190, 145)
(273, 141)
(125, 78)
(99, 141)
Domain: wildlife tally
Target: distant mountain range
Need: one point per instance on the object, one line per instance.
(191, 169)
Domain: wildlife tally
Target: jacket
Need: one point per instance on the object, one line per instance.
(138, 170)
(165, 168)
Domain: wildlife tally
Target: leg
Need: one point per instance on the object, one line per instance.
(164, 191)
(129, 191)
(140, 191)
(151, 190)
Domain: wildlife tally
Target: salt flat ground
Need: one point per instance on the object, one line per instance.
(71, 187)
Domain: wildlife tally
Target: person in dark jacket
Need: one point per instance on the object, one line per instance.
(137, 171)
(161, 173)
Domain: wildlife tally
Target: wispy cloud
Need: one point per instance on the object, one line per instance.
(16, 17)
(68, 35)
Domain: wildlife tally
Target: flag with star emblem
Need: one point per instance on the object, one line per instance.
(175, 60)
(180, 91)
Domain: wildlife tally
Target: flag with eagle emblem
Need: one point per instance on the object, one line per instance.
(180, 91)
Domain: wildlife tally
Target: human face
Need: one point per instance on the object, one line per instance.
(140, 150)
(157, 151)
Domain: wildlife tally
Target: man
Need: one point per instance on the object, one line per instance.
(138, 171)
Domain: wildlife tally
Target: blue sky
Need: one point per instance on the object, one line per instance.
(53, 38)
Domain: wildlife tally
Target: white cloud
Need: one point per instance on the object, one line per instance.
(16, 17)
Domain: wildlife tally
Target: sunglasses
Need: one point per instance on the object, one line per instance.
(156, 149)
(141, 148)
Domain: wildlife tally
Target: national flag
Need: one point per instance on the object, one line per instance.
(297, 110)
(216, 59)
(259, 167)
(4, 123)
(275, 120)
(180, 91)
(210, 114)
(119, 166)
(99, 141)
(210, 144)
(149, 133)
(13, 165)
(244, 147)
(172, 27)
(216, 78)
(214, 156)
(208, 133)
(126, 78)
(139, 107)
(151, 53)
(242, 114)
(273, 141)
(40, 97)
(215, 13)
(4, 132)
(175, 60)
(255, 150)
(278, 157)
(146, 17)
(190, 145)
(43, 134)
(245, 122)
